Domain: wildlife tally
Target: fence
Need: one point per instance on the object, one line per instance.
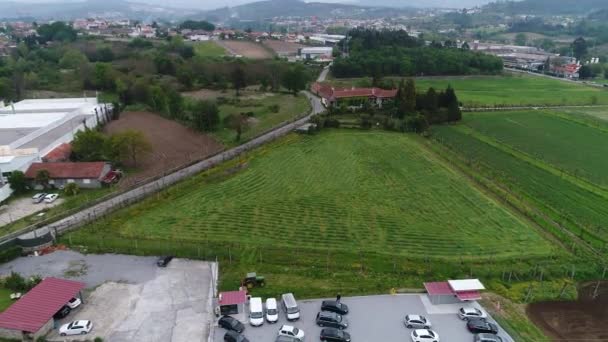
(90, 211)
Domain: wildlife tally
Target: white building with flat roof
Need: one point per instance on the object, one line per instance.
(30, 129)
(317, 53)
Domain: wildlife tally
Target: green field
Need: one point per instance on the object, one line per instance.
(376, 192)
(507, 90)
(209, 49)
(263, 118)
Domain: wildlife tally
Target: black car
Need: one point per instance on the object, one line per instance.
(163, 261)
(230, 323)
(334, 306)
(64, 311)
(331, 319)
(233, 336)
(334, 335)
(481, 326)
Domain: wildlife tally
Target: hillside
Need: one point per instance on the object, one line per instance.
(547, 6)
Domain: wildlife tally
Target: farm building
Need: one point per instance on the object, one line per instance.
(454, 291)
(32, 315)
(316, 53)
(86, 175)
(232, 303)
(352, 97)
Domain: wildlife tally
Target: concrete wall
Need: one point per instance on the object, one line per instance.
(48, 326)
(11, 334)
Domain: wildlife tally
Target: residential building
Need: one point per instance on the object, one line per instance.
(352, 97)
(84, 174)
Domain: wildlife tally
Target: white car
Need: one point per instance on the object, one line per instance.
(74, 303)
(466, 313)
(291, 331)
(417, 322)
(424, 335)
(39, 197)
(50, 198)
(272, 313)
(76, 328)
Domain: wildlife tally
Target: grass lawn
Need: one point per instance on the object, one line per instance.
(5, 300)
(567, 145)
(263, 117)
(209, 49)
(510, 89)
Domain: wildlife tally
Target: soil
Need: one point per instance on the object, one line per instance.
(173, 144)
(583, 320)
(246, 49)
(283, 48)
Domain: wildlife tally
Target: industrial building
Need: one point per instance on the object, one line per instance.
(320, 54)
(30, 129)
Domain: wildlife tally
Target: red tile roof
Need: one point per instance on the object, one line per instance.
(438, 288)
(59, 154)
(233, 297)
(38, 306)
(68, 170)
(328, 92)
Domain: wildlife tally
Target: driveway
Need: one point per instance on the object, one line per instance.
(374, 318)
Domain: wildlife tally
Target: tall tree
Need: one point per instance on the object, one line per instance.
(88, 145)
(579, 48)
(205, 116)
(128, 145)
(295, 79)
(432, 101)
(237, 122)
(239, 79)
(17, 182)
(43, 177)
(410, 96)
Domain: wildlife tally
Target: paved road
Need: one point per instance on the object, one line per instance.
(323, 74)
(136, 194)
(592, 84)
(483, 109)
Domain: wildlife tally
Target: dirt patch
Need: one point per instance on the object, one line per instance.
(283, 48)
(173, 144)
(249, 93)
(582, 320)
(246, 49)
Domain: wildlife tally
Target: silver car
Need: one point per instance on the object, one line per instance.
(417, 322)
(487, 338)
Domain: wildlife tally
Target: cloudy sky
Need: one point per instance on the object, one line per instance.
(211, 4)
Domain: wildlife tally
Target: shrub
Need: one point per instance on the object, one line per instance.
(98, 339)
(274, 108)
(10, 254)
(15, 282)
(71, 189)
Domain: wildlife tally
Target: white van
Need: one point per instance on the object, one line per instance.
(272, 312)
(291, 307)
(256, 311)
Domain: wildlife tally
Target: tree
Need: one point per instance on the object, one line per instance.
(88, 145)
(579, 48)
(410, 96)
(58, 31)
(18, 182)
(521, 39)
(432, 101)
(128, 145)
(239, 79)
(43, 177)
(104, 77)
(295, 79)
(197, 25)
(586, 72)
(237, 122)
(465, 46)
(71, 189)
(454, 113)
(205, 116)
(73, 59)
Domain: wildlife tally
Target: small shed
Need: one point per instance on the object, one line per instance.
(454, 291)
(32, 315)
(232, 302)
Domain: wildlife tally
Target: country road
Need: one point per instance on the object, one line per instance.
(491, 109)
(94, 212)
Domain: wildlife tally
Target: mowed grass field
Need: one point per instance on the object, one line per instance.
(340, 191)
(209, 49)
(507, 90)
(551, 160)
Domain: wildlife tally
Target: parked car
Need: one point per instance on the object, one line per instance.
(39, 197)
(334, 306)
(424, 335)
(291, 331)
(487, 338)
(231, 323)
(417, 322)
(50, 198)
(480, 325)
(256, 312)
(272, 312)
(62, 313)
(466, 313)
(290, 305)
(163, 261)
(74, 303)
(233, 336)
(331, 319)
(282, 338)
(76, 328)
(334, 335)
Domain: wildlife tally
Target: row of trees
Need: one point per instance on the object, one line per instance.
(119, 148)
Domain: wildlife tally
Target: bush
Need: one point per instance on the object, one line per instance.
(274, 108)
(71, 189)
(331, 123)
(10, 254)
(15, 282)
(98, 339)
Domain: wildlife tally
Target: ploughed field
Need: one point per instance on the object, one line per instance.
(337, 191)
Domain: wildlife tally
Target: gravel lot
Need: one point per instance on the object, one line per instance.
(129, 298)
(24, 207)
(373, 318)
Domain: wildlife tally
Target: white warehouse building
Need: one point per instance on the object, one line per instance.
(317, 53)
(30, 129)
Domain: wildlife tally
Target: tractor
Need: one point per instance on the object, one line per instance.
(253, 280)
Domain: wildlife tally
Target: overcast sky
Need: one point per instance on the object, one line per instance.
(211, 4)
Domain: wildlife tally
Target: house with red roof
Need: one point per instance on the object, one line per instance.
(352, 97)
(85, 175)
(60, 153)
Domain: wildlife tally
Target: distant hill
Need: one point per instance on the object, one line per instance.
(262, 10)
(548, 7)
(90, 8)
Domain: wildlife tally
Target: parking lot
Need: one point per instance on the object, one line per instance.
(129, 298)
(23, 207)
(373, 318)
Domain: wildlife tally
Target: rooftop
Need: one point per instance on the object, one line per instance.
(466, 285)
(232, 297)
(67, 170)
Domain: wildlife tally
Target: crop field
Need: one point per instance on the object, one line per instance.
(373, 192)
(209, 49)
(246, 49)
(508, 90)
